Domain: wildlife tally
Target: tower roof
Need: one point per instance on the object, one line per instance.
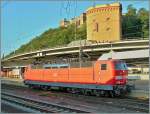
(105, 5)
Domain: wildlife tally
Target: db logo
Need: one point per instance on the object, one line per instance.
(55, 74)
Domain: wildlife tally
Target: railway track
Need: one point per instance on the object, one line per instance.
(126, 103)
(130, 104)
(136, 105)
(38, 105)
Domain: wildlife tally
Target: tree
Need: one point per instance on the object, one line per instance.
(143, 15)
(131, 10)
(131, 24)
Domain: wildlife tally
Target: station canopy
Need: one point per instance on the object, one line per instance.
(125, 55)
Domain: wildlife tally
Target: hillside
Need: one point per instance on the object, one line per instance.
(53, 38)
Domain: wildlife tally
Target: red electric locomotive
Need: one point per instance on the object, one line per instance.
(103, 77)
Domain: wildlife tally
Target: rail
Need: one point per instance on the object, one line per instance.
(139, 105)
(38, 105)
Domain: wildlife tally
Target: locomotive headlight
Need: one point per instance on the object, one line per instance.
(119, 77)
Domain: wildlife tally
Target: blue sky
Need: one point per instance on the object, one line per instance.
(23, 20)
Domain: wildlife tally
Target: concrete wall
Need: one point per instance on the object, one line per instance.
(104, 22)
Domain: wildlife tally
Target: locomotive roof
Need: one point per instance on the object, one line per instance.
(55, 65)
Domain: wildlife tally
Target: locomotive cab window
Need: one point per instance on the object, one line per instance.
(120, 66)
(103, 66)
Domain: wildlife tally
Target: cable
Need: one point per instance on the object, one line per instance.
(66, 7)
(5, 4)
(75, 18)
(94, 3)
(61, 7)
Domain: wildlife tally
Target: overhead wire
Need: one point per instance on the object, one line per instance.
(61, 8)
(65, 7)
(94, 3)
(3, 5)
(68, 8)
(75, 11)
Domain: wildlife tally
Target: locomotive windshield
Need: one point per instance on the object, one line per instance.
(120, 66)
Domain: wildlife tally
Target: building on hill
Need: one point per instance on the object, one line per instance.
(80, 20)
(64, 23)
(104, 22)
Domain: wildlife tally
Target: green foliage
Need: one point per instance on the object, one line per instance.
(53, 38)
(131, 10)
(143, 15)
(135, 24)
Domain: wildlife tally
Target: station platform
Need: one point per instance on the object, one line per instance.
(13, 81)
(141, 89)
(138, 76)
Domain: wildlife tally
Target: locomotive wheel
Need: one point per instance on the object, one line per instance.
(106, 94)
(62, 89)
(122, 93)
(97, 93)
(69, 90)
(33, 87)
(82, 91)
(45, 88)
(102, 93)
(117, 93)
(87, 92)
(30, 86)
(73, 91)
(92, 93)
(111, 94)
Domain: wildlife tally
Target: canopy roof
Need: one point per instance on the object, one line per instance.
(125, 55)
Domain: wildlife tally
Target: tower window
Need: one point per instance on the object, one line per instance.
(96, 27)
(108, 18)
(107, 29)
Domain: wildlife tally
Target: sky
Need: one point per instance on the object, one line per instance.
(22, 20)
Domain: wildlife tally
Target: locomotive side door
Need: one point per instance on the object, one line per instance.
(101, 72)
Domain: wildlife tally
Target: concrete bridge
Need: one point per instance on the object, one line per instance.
(95, 50)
